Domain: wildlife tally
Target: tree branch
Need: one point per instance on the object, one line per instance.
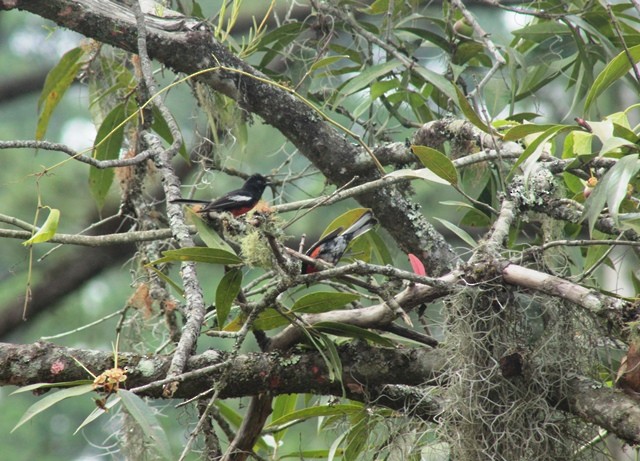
(390, 377)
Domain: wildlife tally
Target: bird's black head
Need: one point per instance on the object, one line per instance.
(256, 182)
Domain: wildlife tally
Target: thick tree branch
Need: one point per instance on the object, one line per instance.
(254, 373)
(389, 377)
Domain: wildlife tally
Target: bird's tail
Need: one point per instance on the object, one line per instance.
(362, 225)
(190, 201)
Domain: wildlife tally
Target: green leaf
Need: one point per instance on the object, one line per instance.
(428, 36)
(312, 303)
(97, 412)
(616, 69)
(166, 279)
(287, 31)
(464, 236)
(324, 62)
(620, 176)
(329, 299)
(577, 143)
(379, 88)
(631, 221)
(50, 400)
(352, 331)
(522, 131)
(315, 412)
(199, 254)
(422, 173)
(58, 81)
(437, 162)
(468, 111)
(283, 405)
(235, 419)
(475, 218)
(208, 235)
(595, 252)
(331, 357)
(146, 419)
(367, 76)
(345, 220)
(539, 32)
(161, 127)
(107, 146)
(379, 248)
(438, 81)
(48, 229)
(35, 387)
(534, 149)
(610, 190)
(228, 289)
(308, 454)
(573, 183)
(357, 437)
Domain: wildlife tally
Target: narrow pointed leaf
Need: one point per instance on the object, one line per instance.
(352, 331)
(208, 235)
(468, 111)
(283, 405)
(367, 76)
(226, 293)
(146, 419)
(96, 413)
(235, 419)
(621, 174)
(107, 146)
(616, 69)
(58, 81)
(312, 303)
(166, 279)
(464, 236)
(161, 127)
(199, 254)
(50, 400)
(35, 387)
(48, 229)
(416, 265)
(315, 412)
(345, 220)
(437, 162)
(422, 173)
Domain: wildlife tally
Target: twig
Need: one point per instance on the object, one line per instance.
(101, 164)
(83, 327)
(98, 240)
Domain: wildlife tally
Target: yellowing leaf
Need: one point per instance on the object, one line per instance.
(199, 254)
(58, 80)
(48, 229)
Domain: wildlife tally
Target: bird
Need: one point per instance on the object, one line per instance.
(237, 202)
(331, 247)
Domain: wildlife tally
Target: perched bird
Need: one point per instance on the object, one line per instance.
(331, 247)
(237, 202)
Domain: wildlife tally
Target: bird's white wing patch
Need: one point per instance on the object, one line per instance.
(239, 198)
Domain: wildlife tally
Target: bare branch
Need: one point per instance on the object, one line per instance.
(79, 156)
